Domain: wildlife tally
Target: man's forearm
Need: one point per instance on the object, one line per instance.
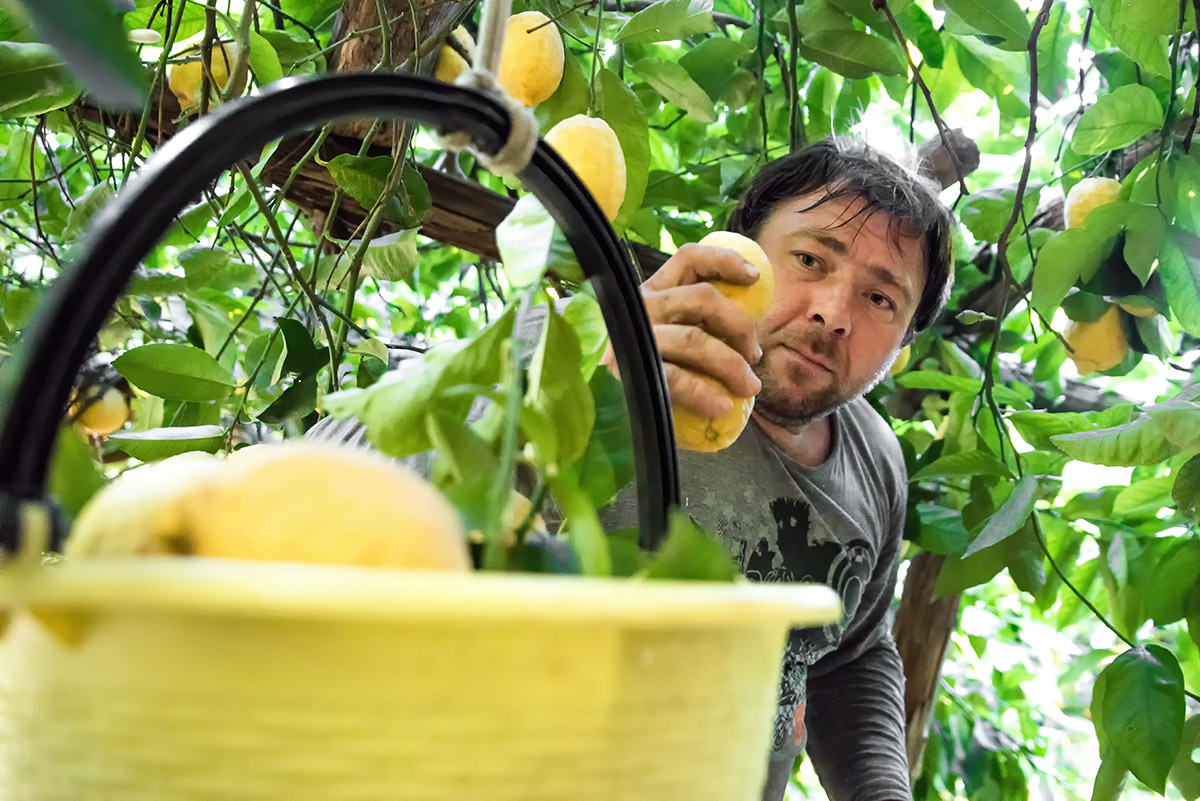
(855, 721)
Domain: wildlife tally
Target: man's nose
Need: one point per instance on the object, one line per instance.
(830, 308)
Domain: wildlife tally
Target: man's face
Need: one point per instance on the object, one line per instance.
(846, 291)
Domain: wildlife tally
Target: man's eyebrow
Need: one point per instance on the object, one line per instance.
(885, 276)
(823, 236)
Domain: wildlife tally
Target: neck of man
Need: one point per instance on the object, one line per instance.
(808, 444)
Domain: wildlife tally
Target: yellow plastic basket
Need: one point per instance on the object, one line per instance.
(197, 680)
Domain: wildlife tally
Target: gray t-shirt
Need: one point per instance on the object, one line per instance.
(838, 524)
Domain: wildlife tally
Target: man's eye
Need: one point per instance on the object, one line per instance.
(882, 301)
(807, 260)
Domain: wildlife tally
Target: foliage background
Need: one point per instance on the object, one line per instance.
(1061, 508)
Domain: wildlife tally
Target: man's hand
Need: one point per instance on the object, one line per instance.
(699, 330)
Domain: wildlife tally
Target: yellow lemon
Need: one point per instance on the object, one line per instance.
(1099, 345)
(1088, 194)
(696, 433)
(592, 149)
(100, 411)
(755, 299)
(531, 64)
(902, 359)
(451, 64)
(296, 501)
(186, 80)
(708, 434)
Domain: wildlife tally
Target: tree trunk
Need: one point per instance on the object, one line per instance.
(922, 631)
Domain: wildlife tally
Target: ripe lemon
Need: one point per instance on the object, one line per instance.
(1099, 345)
(450, 63)
(100, 411)
(1086, 195)
(592, 149)
(531, 64)
(755, 299)
(186, 80)
(708, 434)
(296, 501)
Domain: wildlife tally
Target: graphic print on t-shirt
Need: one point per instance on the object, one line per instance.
(803, 549)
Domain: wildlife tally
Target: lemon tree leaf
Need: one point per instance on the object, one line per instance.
(1138, 443)
(865, 10)
(986, 212)
(1176, 578)
(689, 553)
(1147, 49)
(1186, 490)
(1144, 711)
(557, 389)
(623, 111)
(853, 54)
(672, 81)
(92, 41)
(75, 475)
(667, 20)
(264, 61)
(175, 372)
(1000, 18)
(1117, 120)
(1008, 518)
(523, 238)
(1179, 267)
(583, 314)
(943, 382)
(1110, 778)
(570, 98)
(607, 464)
(86, 208)
(161, 443)
(917, 26)
(713, 64)
(1179, 421)
(391, 257)
(967, 463)
(34, 80)
(1069, 256)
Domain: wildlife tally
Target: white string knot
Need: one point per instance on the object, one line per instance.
(514, 155)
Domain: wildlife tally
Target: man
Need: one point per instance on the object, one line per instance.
(815, 489)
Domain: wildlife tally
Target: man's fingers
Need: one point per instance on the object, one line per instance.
(689, 346)
(693, 264)
(692, 393)
(701, 305)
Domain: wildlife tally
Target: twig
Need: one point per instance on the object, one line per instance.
(160, 72)
(797, 133)
(385, 36)
(943, 129)
(206, 47)
(720, 18)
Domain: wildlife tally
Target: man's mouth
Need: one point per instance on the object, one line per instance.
(813, 359)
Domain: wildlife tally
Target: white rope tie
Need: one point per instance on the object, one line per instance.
(514, 155)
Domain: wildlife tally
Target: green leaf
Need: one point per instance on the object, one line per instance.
(85, 209)
(623, 111)
(1146, 49)
(393, 410)
(362, 178)
(1117, 120)
(672, 81)
(557, 390)
(1146, 230)
(1138, 443)
(583, 314)
(931, 379)
(296, 51)
(1186, 490)
(570, 98)
(852, 53)
(941, 530)
(33, 80)
(1179, 267)
(1002, 75)
(1176, 578)
(1000, 18)
(1179, 421)
(713, 64)
(391, 257)
(967, 463)
(1185, 773)
(523, 238)
(690, 554)
(75, 476)
(866, 11)
(263, 59)
(160, 443)
(1110, 778)
(297, 401)
(91, 38)
(1144, 712)
(1071, 255)
(1008, 518)
(986, 212)
(175, 372)
(667, 20)
(917, 26)
(1054, 44)
(607, 464)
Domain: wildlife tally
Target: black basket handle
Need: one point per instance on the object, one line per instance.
(37, 379)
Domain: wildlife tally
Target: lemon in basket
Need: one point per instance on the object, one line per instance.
(296, 501)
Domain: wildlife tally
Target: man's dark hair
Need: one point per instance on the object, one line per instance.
(847, 168)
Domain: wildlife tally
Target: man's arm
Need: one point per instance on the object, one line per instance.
(855, 713)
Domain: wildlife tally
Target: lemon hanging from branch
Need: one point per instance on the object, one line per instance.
(531, 64)
(592, 149)
(186, 80)
(1099, 345)
(1089, 194)
(451, 64)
